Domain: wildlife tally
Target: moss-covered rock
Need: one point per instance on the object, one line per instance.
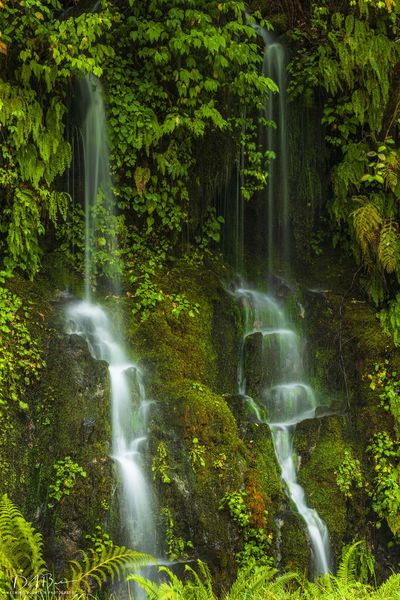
(294, 548)
(345, 343)
(202, 442)
(73, 420)
(321, 446)
(61, 410)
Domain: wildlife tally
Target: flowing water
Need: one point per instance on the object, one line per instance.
(97, 176)
(282, 400)
(129, 406)
(278, 188)
(278, 394)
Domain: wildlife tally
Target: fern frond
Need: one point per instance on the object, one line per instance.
(367, 221)
(20, 543)
(389, 589)
(347, 569)
(112, 562)
(173, 587)
(391, 171)
(249, 581)
(152, 589)
(388, 248)
(203, 584)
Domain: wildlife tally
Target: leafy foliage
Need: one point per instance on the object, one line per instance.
(385, 453)
(349, 475)
(20, 357)
(349, 52)
(185, 76)
(175, 78)
(44, 51)
(257, 542)
(65, 473)
(23, 569)
(176, 547)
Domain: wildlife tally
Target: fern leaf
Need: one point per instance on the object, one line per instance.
(367, 221)
(203, 584)
(21, 547)
(248, 581)
(98, 567)
(389, 589)
(347, 569)
(388, 248)
(152, 589)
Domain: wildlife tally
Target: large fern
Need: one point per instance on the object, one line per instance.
(97, 567)
(22, 564)
(367, 221)
(21, 545)
(388, 248)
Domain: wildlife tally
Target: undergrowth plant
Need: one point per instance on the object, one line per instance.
(264, 583)
(24, 573)
(346, 53)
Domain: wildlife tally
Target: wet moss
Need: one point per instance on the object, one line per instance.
(67, 415)
(294, 546)
(211, 447)
(321, 445)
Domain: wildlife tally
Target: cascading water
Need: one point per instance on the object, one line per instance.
(129, 410)
(279, 396)
(96, 162)
(285, 400)
(128, 398)
(278, 189)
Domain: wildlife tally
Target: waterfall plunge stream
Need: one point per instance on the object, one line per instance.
(129, 406)
(284, 400)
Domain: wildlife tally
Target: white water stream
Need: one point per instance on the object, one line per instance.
(129, 410)
(286, 400)
(129, 406)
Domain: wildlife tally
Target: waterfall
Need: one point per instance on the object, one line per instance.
(280, 396)
(97, 176)
(285, 399)
(277, 206)
(129, 406)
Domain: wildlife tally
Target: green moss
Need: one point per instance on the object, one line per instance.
(322, 445)
(266, 470)
(73, 418)
(294, 547)
(212, 450)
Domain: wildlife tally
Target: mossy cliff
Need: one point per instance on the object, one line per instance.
(202, 442)
(65, 413)
(345, 342)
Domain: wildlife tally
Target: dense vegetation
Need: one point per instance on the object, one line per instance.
(349, 55)
(24, 572)
(185, 97)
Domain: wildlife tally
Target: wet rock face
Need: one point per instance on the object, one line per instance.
(254, 364)
(75, 388)
(266, 359)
